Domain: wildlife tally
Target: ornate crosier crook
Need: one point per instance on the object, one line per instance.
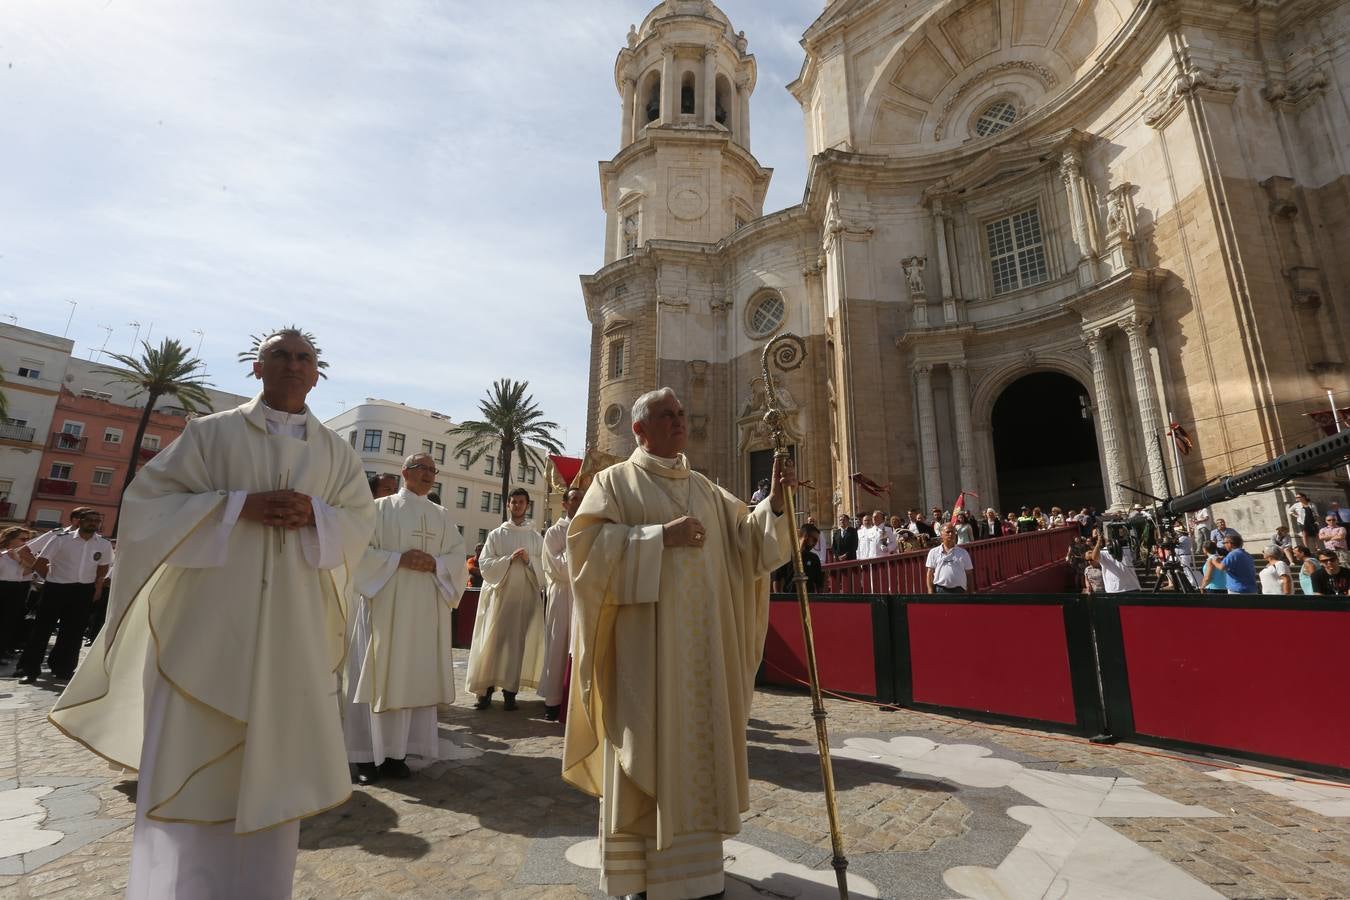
(787, 352)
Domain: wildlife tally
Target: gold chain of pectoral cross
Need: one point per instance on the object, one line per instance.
(687, 505)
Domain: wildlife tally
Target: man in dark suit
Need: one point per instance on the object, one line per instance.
(844, 544)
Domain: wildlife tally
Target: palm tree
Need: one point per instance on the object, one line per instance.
(511, 423)
(251, 354)
(168, 370)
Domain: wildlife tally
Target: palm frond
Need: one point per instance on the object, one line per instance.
(169, 369)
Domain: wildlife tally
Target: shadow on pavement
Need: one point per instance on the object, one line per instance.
(801, 772)
(365, 822)
(506, 793)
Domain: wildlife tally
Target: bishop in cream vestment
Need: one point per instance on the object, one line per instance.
(215, 673)
(406, 664)
(667, 640)
(508, 633)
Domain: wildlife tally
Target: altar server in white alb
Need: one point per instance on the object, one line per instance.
(508, 633)
(215, 673)
(670, 578)
(410, 579)
(558, 618)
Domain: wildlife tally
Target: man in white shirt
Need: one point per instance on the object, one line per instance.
(73, 564)
(949, 567)
(867, 538)
(1117, 576)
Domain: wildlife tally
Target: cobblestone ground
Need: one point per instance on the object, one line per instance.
(922, 799)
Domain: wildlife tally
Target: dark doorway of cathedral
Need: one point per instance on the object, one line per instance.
(761, 467)
(1045, 447)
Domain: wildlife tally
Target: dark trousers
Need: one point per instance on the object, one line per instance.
(98, 612)
(65, 610)
(13, 606)
(940, 589)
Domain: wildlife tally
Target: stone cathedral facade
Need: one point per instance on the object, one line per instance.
(1028, 225)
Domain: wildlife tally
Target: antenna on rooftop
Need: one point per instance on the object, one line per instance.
(107, 337)
(135, 340)
(201, 336)
(70, 318)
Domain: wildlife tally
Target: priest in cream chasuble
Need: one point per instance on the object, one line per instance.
(508, 634)
(558, 616)
(215, 675)
(670, 581)
(410, 578)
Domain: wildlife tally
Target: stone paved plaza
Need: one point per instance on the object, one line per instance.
(933, 807)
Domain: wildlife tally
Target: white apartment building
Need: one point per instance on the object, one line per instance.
(383, 432)
(34, 365)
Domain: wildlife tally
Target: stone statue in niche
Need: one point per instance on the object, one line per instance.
(632, 36)
(914, 266)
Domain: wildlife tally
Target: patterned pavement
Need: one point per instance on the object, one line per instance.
(934, 808)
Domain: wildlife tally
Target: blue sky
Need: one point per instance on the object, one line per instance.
(413, 181)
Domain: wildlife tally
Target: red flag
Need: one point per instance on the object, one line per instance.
(1181, 437)
(567, 466)
(869, 485)
(959, 506)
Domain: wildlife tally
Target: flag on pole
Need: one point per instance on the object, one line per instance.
(1181, 438)
(960, 505)
(869, 485)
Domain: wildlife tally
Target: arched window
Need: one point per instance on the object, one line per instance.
(688, 96)
(996, 117)
(652, 92)
(722, 113)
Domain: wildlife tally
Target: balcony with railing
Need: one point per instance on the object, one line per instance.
(148, 453)
(21, 433)
(57, 487)
(6, 509)
(66, 442)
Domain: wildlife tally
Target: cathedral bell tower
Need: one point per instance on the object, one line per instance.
(684, 170)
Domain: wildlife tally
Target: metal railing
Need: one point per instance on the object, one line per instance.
(17, 433)
(59, 487)
(996, 560)
(72, 443)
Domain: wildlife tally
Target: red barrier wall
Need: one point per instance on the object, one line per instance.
(1010, 659)
(1270, 682)
(844, 646)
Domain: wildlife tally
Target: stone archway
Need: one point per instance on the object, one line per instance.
(1045, 446)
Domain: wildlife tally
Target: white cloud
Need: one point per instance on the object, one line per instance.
(414, 181)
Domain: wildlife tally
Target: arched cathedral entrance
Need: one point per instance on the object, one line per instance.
(1045, 448)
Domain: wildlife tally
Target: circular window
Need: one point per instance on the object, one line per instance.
(613, 416)
(766, 314)
(996, 117)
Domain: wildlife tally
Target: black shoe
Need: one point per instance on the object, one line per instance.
(551, 713)
(641, 896)
(366, 774)
(28, 679)
(395, 768)
(509, 698)
(484, 702)
(63, 677)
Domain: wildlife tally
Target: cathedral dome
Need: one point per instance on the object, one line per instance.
(668, 9)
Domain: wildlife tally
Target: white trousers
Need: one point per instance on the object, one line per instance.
(201, 862)
(373, 737)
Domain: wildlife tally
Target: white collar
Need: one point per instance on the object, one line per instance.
(278, 417)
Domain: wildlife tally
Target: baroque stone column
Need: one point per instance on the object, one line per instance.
(629, 102)
(965, 437)
(668, 95)
(709, 84)
(743, 111)
(928, 442)
(1106, 415)
(940, 237)
(1136, 329)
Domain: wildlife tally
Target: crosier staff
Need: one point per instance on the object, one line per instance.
(787, 352)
